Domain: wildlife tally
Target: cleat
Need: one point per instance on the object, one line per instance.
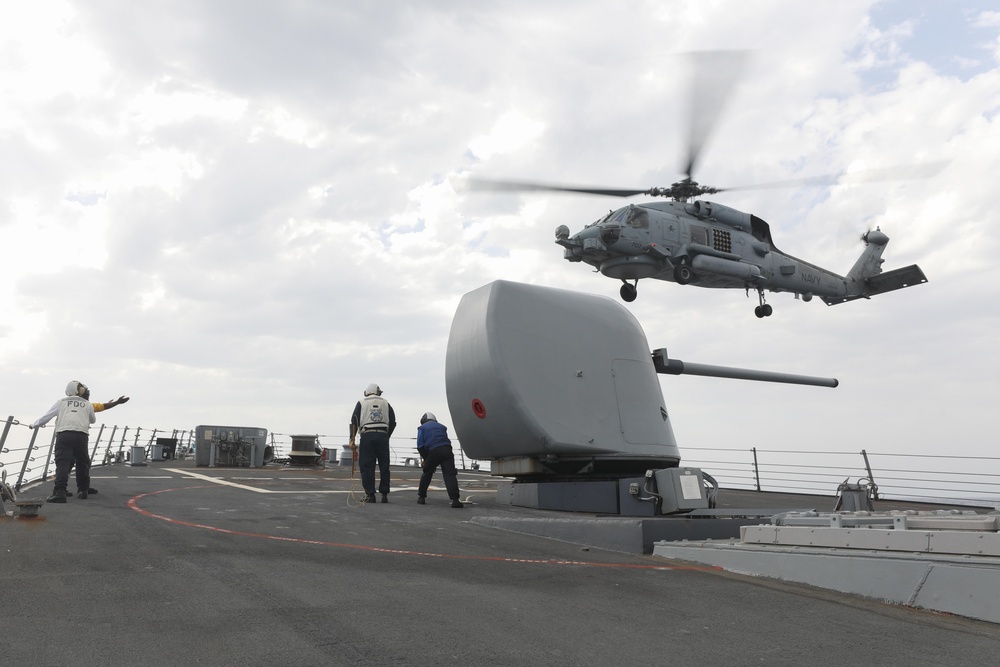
(457, 503)
(421, 501)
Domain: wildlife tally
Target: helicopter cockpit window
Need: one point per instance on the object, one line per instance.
(602, 219)
(638, 218)
(610, 235)
(620, 215)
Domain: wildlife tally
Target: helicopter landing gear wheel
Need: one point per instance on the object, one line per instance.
(683, 274)
(764, 309)
(629, 292)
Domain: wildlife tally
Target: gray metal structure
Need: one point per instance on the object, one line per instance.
(945, 560)
(560, 391)
(306, 451)
(230, 446)
(547, 381)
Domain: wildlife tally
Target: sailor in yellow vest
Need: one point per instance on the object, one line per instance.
(374, 419)
(74, 414)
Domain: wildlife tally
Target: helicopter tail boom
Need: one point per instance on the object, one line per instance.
(866, 279)
(908, 276)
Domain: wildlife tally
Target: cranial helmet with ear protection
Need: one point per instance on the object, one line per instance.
(373, 389)
(75, 388)
(428, 417)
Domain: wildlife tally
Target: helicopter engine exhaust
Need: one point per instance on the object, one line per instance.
(726, 267)
(730, 216)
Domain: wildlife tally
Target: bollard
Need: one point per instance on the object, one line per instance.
(6, 493)
(28, 509)
(330, 455)
(138, 456)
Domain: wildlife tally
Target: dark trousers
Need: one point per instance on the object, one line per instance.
(374, 448)
(72, 446)
(444, 457)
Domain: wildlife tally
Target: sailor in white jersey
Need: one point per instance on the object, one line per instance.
(375, 420)
(74, 414)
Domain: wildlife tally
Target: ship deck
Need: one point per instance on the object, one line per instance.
(175, 564)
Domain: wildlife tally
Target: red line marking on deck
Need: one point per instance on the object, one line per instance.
(133, 503)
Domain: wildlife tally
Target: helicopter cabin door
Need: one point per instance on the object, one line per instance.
(670, 232)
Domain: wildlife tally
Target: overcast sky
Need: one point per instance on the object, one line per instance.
(242, 213)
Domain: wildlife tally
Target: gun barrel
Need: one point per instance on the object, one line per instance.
(677, 367)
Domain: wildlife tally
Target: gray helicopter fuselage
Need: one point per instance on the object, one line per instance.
(711, 245)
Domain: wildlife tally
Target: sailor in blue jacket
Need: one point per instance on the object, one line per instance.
(434, 448)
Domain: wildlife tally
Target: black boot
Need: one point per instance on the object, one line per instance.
(421, 500)
(456, 503)
(385, 497)
(82, 495)
(58, 496)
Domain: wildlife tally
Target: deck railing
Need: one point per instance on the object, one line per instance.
(26, 457)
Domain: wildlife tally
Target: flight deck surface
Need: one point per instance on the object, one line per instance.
(175, 564)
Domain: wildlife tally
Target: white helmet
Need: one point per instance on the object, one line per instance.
(428, 417)
(373, 389)
(75, 388)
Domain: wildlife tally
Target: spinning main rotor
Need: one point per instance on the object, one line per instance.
(713, 77)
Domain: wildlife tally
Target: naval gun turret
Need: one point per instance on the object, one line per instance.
(667, 366)
(559, 390)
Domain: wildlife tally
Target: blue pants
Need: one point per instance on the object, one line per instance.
(374, 448)
(440, 456)
(72, 446)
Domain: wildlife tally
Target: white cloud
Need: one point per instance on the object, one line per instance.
(167, 102)
(45, 54)
(258, 213)
(512, 130)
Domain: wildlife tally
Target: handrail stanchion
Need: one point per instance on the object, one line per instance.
(48, 456)
(27, 456)
(871, 478)
(6, 430)
(111, 443)
(96, 443)
(121, 445)
(756, 469)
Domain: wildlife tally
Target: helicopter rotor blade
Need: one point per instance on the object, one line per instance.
(895, 173)
(522, 186)
(713, 75)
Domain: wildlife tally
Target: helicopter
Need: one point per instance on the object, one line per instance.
(707, 244)
(693, 241)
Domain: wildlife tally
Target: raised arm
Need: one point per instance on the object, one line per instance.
(117, 401)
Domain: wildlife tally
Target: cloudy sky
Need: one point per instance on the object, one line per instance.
(244, 212)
